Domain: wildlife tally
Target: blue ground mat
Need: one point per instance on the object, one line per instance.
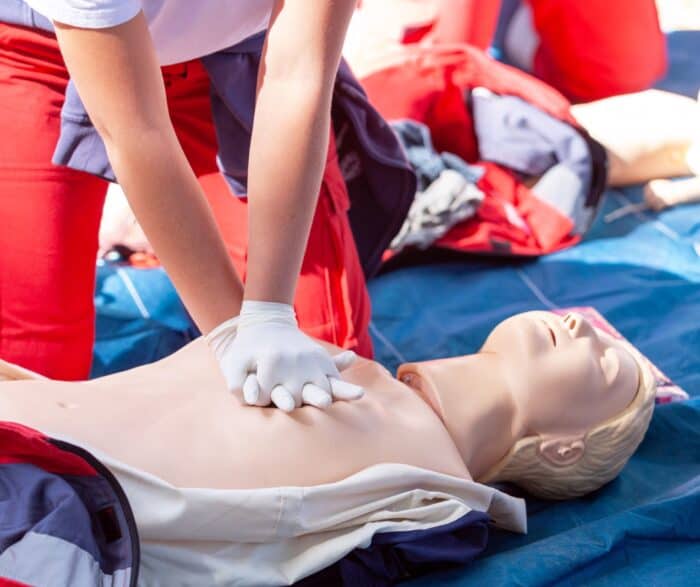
(140, 318)
(642, 272)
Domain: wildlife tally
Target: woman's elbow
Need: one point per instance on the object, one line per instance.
(122, 137)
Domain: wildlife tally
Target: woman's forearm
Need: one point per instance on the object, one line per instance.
(290, 139)
(171, 207)
(288, 154)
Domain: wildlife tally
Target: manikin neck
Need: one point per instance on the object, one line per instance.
(472, 398)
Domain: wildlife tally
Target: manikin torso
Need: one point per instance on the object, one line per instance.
(174, 419)
(537, 374)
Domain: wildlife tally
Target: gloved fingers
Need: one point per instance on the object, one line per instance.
(344, 360)
(343, 390)
(284, 400)
(274, 369)
(251, 390)
(316, 396)
(236, 375)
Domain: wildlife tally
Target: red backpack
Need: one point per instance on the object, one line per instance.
(428, 84)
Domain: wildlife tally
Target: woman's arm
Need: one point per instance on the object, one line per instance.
(290, 139)
(117, 75)
(264, 352)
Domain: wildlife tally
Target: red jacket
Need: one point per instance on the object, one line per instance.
(428, 85)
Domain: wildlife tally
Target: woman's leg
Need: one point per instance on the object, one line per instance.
(49, 215)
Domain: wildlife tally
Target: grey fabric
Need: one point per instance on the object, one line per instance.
(520, 136)
(425, 160)
(563, 189)
(450, 199)
(447, 192)
(41, 559)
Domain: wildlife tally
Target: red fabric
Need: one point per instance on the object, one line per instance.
(593, 49)
(429, 85)
(19, 444)
(189, 105)
(47, 259)
(331, 300)
(511, 221)
(10, 583)
(50, 218)
(451, 125)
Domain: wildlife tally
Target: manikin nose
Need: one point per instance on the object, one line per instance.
(578, 325)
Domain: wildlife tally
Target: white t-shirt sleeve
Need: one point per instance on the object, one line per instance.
(89, 14)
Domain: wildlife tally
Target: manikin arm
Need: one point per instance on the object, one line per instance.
(661, 193)
(647, 135)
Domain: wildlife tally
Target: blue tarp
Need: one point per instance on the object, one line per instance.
(643, 273)
(140, 318)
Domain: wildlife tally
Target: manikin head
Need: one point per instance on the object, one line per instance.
(579, 401)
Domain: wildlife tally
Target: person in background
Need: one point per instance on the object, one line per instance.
(586, 49)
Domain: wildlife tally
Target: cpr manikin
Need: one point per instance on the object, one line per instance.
(547, 403)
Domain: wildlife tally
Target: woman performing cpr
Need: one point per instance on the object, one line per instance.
(113, 50)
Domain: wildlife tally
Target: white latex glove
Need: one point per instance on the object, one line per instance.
(263, 355)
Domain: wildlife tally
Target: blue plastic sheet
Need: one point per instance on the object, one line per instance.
(642, 272)
(140, 318)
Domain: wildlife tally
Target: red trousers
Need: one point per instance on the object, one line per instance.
(49, 219)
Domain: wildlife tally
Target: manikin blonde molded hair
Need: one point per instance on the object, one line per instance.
(607, 448)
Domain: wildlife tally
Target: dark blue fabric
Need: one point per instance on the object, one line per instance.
(683, 76)
(643, 273)
(397, 556)
(32, 500)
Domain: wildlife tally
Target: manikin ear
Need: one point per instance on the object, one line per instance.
(562, 451)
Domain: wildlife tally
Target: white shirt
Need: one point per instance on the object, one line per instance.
(279, 535)
(181, 29)
(263, 537)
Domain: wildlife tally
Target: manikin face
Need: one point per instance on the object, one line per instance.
(565, 375)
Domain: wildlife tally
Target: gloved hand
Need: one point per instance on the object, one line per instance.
(263, 354)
